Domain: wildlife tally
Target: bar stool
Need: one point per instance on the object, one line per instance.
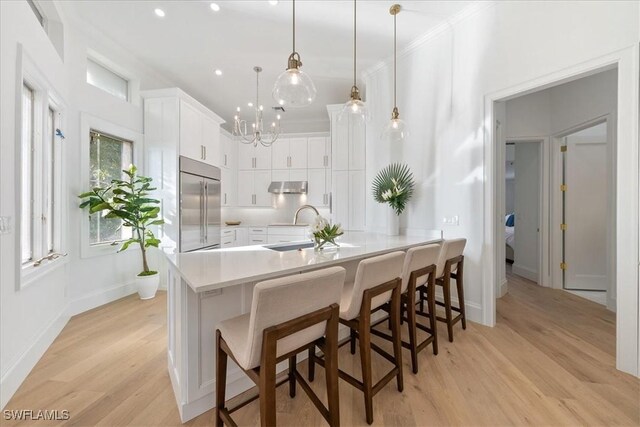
(451, 266)
(418, 275)
(377, 282)
(287, 315)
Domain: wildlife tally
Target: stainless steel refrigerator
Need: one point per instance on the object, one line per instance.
(199, 205)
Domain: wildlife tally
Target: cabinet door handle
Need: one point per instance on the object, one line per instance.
(205, 152)
(225, 160)
(326, 160)
(225, 198)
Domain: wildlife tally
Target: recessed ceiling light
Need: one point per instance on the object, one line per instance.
(215, 7)
(218, 72)
(160, 13)
(273, 2)
(250, 104)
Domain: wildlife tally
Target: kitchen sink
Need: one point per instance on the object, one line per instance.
(290, 246)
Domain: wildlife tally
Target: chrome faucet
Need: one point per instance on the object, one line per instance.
(300, 209)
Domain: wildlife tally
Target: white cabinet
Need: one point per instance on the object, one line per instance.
(289, 175)
(233, 236)
(199, 134)
(250, 157)
(319, 187)
(348, 160)
(252, 188)
(229, 187)
(228, 151)
(257, 235)
(318, 152)
(289, 153)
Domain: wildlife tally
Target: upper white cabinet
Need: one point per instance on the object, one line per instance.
(319, 152)
(319, 187)
(228, 151)
(289, 153)
(250, 157)
(252, 188)
(199, 133)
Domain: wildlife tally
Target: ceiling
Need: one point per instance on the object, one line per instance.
(192, 40)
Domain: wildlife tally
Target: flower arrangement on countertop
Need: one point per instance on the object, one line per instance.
(394, 185)
(324, 232)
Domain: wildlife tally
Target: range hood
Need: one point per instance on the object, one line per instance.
(288, 187)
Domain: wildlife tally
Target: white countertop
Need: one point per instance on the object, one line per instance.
(220, 268)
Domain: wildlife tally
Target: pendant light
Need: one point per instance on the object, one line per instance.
(355, 108)
(294, 88)
(396, 129)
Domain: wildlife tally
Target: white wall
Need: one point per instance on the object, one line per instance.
(442, 84)
(527, 209)
(32, 317)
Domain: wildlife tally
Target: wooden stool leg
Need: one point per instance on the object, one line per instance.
(446, 288)
(422, 300)
(267, 383)
(364, 338)
(221, 378)
(292, 376)
(411, 323)
(460, 288)
(395, 333)
(331, 371)
(433, 322)
(312, 363)
(352, 341)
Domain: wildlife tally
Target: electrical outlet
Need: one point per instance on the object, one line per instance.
(5, 224)
(451, 220)
(211, 293)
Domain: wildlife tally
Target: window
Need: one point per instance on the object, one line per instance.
(108, 156)
(51, 180)
(26, 223)
(105, 79)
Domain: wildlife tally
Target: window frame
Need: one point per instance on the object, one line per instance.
(90, 123)
(44, 153)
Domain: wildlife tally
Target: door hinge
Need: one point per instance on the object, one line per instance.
(563, 148)
(563, 266)
(563, 187)
(563, 227)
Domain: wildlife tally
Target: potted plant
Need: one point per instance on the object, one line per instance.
(128, 200)
(325, 233)
(394, 186)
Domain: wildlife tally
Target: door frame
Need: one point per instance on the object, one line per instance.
(627, 199)
(556, 211)
(543, 205)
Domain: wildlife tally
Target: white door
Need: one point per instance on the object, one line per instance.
(340, 198)
(298, 153)
(297, 175)
(280, 154)
(190, 132)
(280, 175)
(526, 251)
(245, 188)
(261, 182)
(229, 187)
(317, 154)
(262, 157)
(357, 200)
(357, 138)
(211, 141)
(246, 153)
(585, 210)
(339, 143)
(316, 194)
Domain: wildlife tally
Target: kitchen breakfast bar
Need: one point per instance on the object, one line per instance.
(206, 287)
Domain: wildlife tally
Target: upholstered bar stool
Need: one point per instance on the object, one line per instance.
(451, 266)
(418, 275)
(377, 282)
(287, 315)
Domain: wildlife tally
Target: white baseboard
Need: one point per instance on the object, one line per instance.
(525, 272)
(17, 373)
(101, 297)
(504, 287)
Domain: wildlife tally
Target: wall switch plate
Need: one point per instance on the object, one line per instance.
(451, 220)
(211, 293)
(5, 224)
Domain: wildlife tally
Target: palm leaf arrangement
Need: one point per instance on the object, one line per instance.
(394, 185)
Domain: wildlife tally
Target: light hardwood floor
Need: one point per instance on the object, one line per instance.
(549, 361)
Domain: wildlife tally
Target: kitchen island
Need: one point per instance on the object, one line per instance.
(207, 287)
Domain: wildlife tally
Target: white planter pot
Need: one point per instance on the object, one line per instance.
(147, 286)
(393, 223)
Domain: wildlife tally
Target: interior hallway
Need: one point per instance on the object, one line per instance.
(550, 360)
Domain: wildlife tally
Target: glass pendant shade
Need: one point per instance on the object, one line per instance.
(354, 110)
(395, 131)
(294, 88)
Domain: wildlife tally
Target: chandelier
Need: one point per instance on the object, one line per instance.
(355, 108)
(255, 133)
